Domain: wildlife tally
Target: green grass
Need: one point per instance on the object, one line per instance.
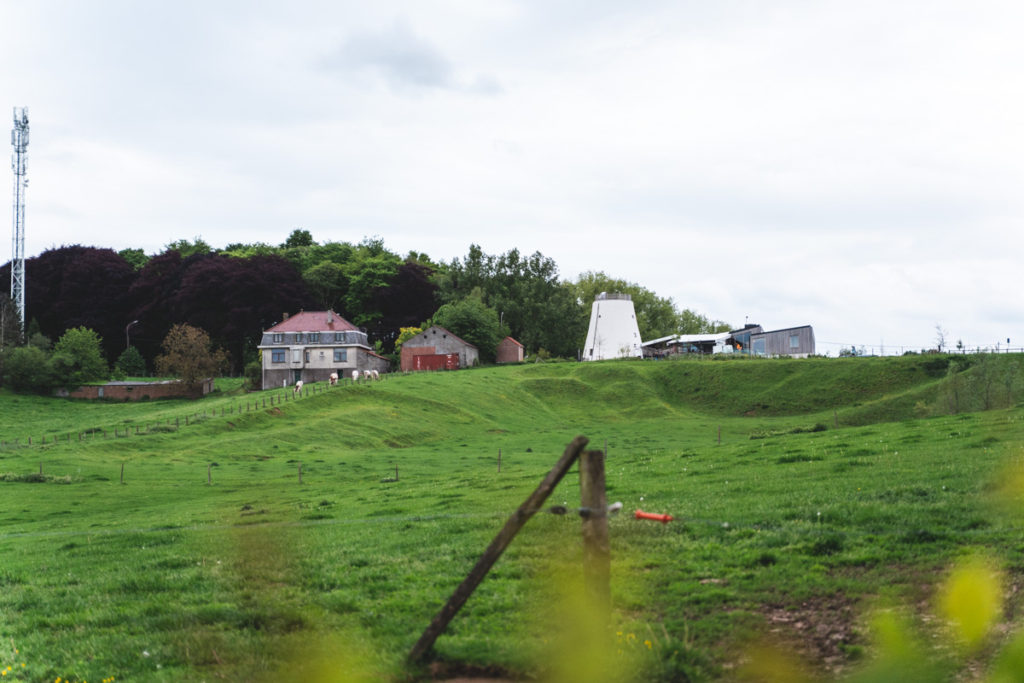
(790, 524)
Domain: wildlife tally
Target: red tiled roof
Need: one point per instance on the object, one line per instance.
(513, 341)
(313, 321)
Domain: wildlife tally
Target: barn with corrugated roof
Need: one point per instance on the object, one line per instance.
(435, 348)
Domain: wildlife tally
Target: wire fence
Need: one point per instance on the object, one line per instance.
(267, 400)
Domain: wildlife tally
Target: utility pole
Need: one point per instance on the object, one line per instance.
(19, 140)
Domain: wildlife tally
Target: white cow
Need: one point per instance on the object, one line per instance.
(333, 379)
(355, 376)
(376, 375)
(298, 387)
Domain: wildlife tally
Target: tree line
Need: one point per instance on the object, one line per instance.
(132, 300)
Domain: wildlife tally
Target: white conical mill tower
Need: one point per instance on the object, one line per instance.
(613, 332)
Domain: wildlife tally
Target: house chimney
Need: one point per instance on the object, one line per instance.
(285, 316)
(330, 317)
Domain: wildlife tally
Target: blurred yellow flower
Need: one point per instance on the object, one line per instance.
(970, 600)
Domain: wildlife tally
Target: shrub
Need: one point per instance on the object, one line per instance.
(78, 359)
(131, 363)
(28, 370)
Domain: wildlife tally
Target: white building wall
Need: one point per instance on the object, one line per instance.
(613, 332)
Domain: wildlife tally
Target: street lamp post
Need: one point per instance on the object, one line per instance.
(127, 339)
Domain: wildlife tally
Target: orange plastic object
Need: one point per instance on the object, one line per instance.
(664, 519)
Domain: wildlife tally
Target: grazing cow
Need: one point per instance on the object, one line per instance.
(376, 375)
(298, 387)
(355, 376)
(333, 379)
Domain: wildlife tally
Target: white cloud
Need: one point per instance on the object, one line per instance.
(853, 166)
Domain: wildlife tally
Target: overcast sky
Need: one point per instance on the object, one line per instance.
(853, 166)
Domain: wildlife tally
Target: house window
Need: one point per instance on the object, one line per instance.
(296, 355)
(314, 337)
(307, 356)
(759, 347)
(277, 356)
(794, 341)
(339, 336)
(278, 338)
(298, 338)
(340, 355)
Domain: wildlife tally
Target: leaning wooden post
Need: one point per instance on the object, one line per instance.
(516, 522)
(122, 473)
(596, 548)
(209, 476)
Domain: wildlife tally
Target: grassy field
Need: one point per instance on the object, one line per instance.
(837, 487)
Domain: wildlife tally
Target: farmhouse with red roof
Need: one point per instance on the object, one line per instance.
(311, 345)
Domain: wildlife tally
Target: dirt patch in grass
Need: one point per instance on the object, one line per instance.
(460, 672)
(822, 632)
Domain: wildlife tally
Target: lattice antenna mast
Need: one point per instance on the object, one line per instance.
(19, 140)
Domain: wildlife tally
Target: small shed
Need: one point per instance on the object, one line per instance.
(509, 351)
(437, 341)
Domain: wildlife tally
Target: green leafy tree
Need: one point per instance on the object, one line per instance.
(254, 373)
(299, 238)
(27, 369)
(534, 305)
(34, 336)
(474, 321)
(189, 355)
(691, 322)
(327, 281)
(240, 250)
(131, 363)
(186, 248)
(78, 357)
(136, 258)
(10, 323)
(655, 316)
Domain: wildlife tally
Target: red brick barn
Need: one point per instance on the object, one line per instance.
(509, 351)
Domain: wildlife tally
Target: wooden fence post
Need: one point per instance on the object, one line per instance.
(300, 473)
(516, 522)
(122, 473)
(209, 476)
(499, 461)
(596, 547)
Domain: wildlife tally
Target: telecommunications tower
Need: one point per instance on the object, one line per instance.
(19, 140)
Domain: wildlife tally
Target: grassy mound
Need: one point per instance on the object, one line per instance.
(212, 560)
